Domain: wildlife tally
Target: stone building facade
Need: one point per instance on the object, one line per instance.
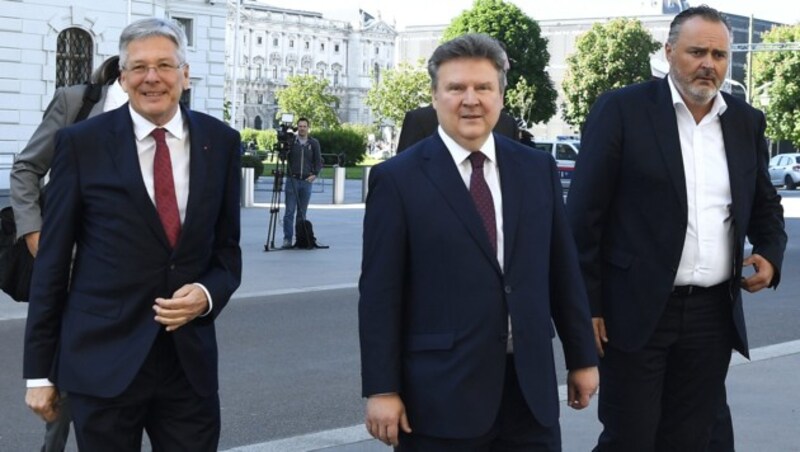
(46, 43)
(275, 43)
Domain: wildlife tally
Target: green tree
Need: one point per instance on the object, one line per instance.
(776, 85)
(307, 96)
(525, 46)
(520, 100)
(608, 56)
(347, 141)
(400, 89)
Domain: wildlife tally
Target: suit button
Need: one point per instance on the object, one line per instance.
(172, 266)
(507, 289)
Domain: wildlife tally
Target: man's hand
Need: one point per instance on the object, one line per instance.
(32, 240)
(581, 386)
(600, 336)
(385, 412)
(311, 178)
(763, 275)
(186, 304)
(44, 401)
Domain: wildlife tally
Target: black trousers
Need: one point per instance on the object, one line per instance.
(666, 396)
(515, 429)
(160, 401)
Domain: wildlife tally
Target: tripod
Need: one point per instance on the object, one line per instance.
(274, 205)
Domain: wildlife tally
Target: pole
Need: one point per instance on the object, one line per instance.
(235, 76)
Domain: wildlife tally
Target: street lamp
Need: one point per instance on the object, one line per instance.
(733, 82)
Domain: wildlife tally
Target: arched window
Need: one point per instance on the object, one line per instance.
(258, 122)
(74, 52)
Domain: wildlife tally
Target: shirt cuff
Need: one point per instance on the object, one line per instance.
(38, 383)
(208, 297)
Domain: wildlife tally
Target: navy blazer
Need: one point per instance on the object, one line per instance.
(627, 206)
(90, 327)
(434, 303)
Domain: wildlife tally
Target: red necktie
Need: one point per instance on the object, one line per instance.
(482, 196)
(164, 187)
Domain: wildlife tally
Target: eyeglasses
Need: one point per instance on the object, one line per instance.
(163, 69)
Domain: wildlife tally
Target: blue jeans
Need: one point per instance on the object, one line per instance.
(298, 193)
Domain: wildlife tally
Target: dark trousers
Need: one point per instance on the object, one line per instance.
(515, 429)
(666, 396)
(722, 432)
(159, 400)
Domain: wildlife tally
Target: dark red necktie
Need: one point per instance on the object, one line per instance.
(164, 187)
(482, 196)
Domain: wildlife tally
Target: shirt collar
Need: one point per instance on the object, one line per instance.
(143, 127)
(717, 109)
(460, 154)
(116, 96)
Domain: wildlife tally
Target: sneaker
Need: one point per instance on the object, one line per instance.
(287, 243)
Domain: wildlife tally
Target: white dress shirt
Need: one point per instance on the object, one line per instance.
(115, 96)
(707, 257)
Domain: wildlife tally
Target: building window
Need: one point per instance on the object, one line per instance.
(73, 57)
(188, 28)
(335, 78)
(377, 50)
(322, 46)
(275, 72)
(336, 48)
(260, 98)
(308, 45)
(258, 123)
(275, 42)
(291, 43)
(259, 40)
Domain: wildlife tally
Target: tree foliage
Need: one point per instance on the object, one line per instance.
(525, 46)
(307, 96)
(349, 141)
(520, 100)
(776, 85)
(400, 89)
(608, 56)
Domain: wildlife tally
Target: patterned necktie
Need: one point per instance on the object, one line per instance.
(164, 187)
(482, 196)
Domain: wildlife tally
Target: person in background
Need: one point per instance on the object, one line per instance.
(671, 178)
(26, 183)
(304, 162)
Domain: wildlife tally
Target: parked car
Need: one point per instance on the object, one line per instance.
(565, 152)
(784, 169)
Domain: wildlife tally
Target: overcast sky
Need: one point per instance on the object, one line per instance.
(428, 12)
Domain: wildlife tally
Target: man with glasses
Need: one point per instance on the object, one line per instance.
(148, 195)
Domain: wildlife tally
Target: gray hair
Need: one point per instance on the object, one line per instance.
(472, 45)
(706, 12)
(150, 27)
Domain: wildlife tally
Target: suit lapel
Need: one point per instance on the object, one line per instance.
(438, 166)
(122, 147)
(732, 138)
(665, 127)
(200, 148)
(510, 173)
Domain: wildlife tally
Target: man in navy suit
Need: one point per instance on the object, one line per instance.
(671, 178)
(464, 270)
(148, 197)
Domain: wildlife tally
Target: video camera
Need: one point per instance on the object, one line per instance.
(286, 135)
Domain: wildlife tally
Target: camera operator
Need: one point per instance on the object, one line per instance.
(304, 162)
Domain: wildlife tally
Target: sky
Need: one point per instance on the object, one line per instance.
(429, 12)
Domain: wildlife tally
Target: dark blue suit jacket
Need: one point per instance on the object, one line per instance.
(434, 306)
(627, 206)
(91, 331)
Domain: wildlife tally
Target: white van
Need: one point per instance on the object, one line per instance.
(565, 151)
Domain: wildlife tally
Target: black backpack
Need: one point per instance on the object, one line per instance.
(304, 233)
